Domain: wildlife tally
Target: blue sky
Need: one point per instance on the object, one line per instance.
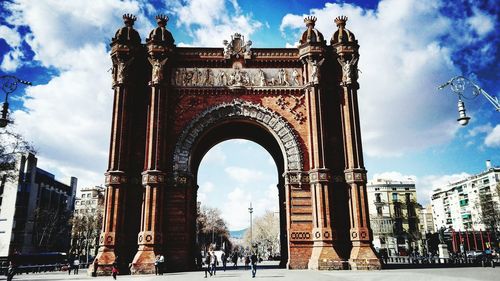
(408, 48)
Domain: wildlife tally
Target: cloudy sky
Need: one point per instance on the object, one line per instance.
(408, 48)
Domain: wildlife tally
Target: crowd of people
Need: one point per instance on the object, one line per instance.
(211, 261)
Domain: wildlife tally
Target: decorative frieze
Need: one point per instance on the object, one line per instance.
(237, 77)
(153, 177)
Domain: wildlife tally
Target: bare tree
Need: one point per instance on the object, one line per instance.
(265, 234)
(11, 145)
(489, 208)
(86, 228)
(51, 229)
(211, 228)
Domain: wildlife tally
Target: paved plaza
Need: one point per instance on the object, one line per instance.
(270, 273)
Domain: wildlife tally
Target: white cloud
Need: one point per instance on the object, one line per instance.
(215, 23)
(481, 22)
(493, 137)
(203, 192)
(427, 184)
(394, 176)
(215, 156)
(244, 175)
(68, 118)
(402, 63)
(235, 208)
(13, 58)
(482, 129)
(10, 36)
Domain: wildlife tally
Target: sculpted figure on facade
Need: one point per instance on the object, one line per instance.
(157, 72)
(121, 66)
(262, 78)
(295, 77)
(349, 70)
(316, 73)
(283, 77)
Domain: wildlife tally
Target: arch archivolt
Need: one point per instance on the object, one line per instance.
(238, 110)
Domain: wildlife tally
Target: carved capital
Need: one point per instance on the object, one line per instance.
(153, 177)
(320, 175)
(115, 178)
(355, 175)
(296, 177)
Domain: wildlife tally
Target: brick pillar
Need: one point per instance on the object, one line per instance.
(298, 219)
(150, 238)
(312, 51)
(116, 176)
(362, 254)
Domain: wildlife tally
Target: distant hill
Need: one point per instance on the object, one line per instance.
(237, 233)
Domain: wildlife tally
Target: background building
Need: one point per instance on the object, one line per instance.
(393, 217)
(471, 203)
(34, 210)
(87, 222)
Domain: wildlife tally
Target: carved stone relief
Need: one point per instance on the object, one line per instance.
(238, 109)
(235, 77)
(349, 70)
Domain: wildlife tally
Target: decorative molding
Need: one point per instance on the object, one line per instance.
(298, 102)
(300, 235)
(149, 238)
(296, 177)
(237, 109)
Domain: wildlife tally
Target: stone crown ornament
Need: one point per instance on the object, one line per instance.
(161, 20)
(311, 20)
(341, 21)
(129, 19)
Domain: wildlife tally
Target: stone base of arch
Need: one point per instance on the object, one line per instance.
(363, 257)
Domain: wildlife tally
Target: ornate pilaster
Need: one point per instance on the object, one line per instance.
(312, 51)
(159, 46)
(346, 48)
(111, 242)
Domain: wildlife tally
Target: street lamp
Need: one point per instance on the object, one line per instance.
(250, 210)
(9, 85)
(459, 85)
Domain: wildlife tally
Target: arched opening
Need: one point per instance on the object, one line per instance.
(235, 163)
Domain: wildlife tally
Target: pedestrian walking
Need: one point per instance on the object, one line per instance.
(114, 271)
(76, 265)
(208, 259)
(235, 260)
(70, 267)
(157, 260)
(11, 271)
(213, 263)
(253, 261)
(161, 264)
(95, 266)
(247, 262)
(224, 261)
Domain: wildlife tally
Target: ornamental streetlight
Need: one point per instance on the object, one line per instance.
(250, 210)
(460, 85)
(9, 85)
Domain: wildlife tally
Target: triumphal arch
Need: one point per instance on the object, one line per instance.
(172, 104)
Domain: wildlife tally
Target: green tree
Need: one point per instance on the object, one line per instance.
(211, 228)
(489, 208)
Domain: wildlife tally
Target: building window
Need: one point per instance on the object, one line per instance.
(379, 211)
(377, 197)
(407, 197)
(394, 197)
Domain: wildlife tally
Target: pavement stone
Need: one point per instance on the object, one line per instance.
(274, 274)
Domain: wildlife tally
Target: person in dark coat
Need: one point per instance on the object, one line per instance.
(253, 263)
